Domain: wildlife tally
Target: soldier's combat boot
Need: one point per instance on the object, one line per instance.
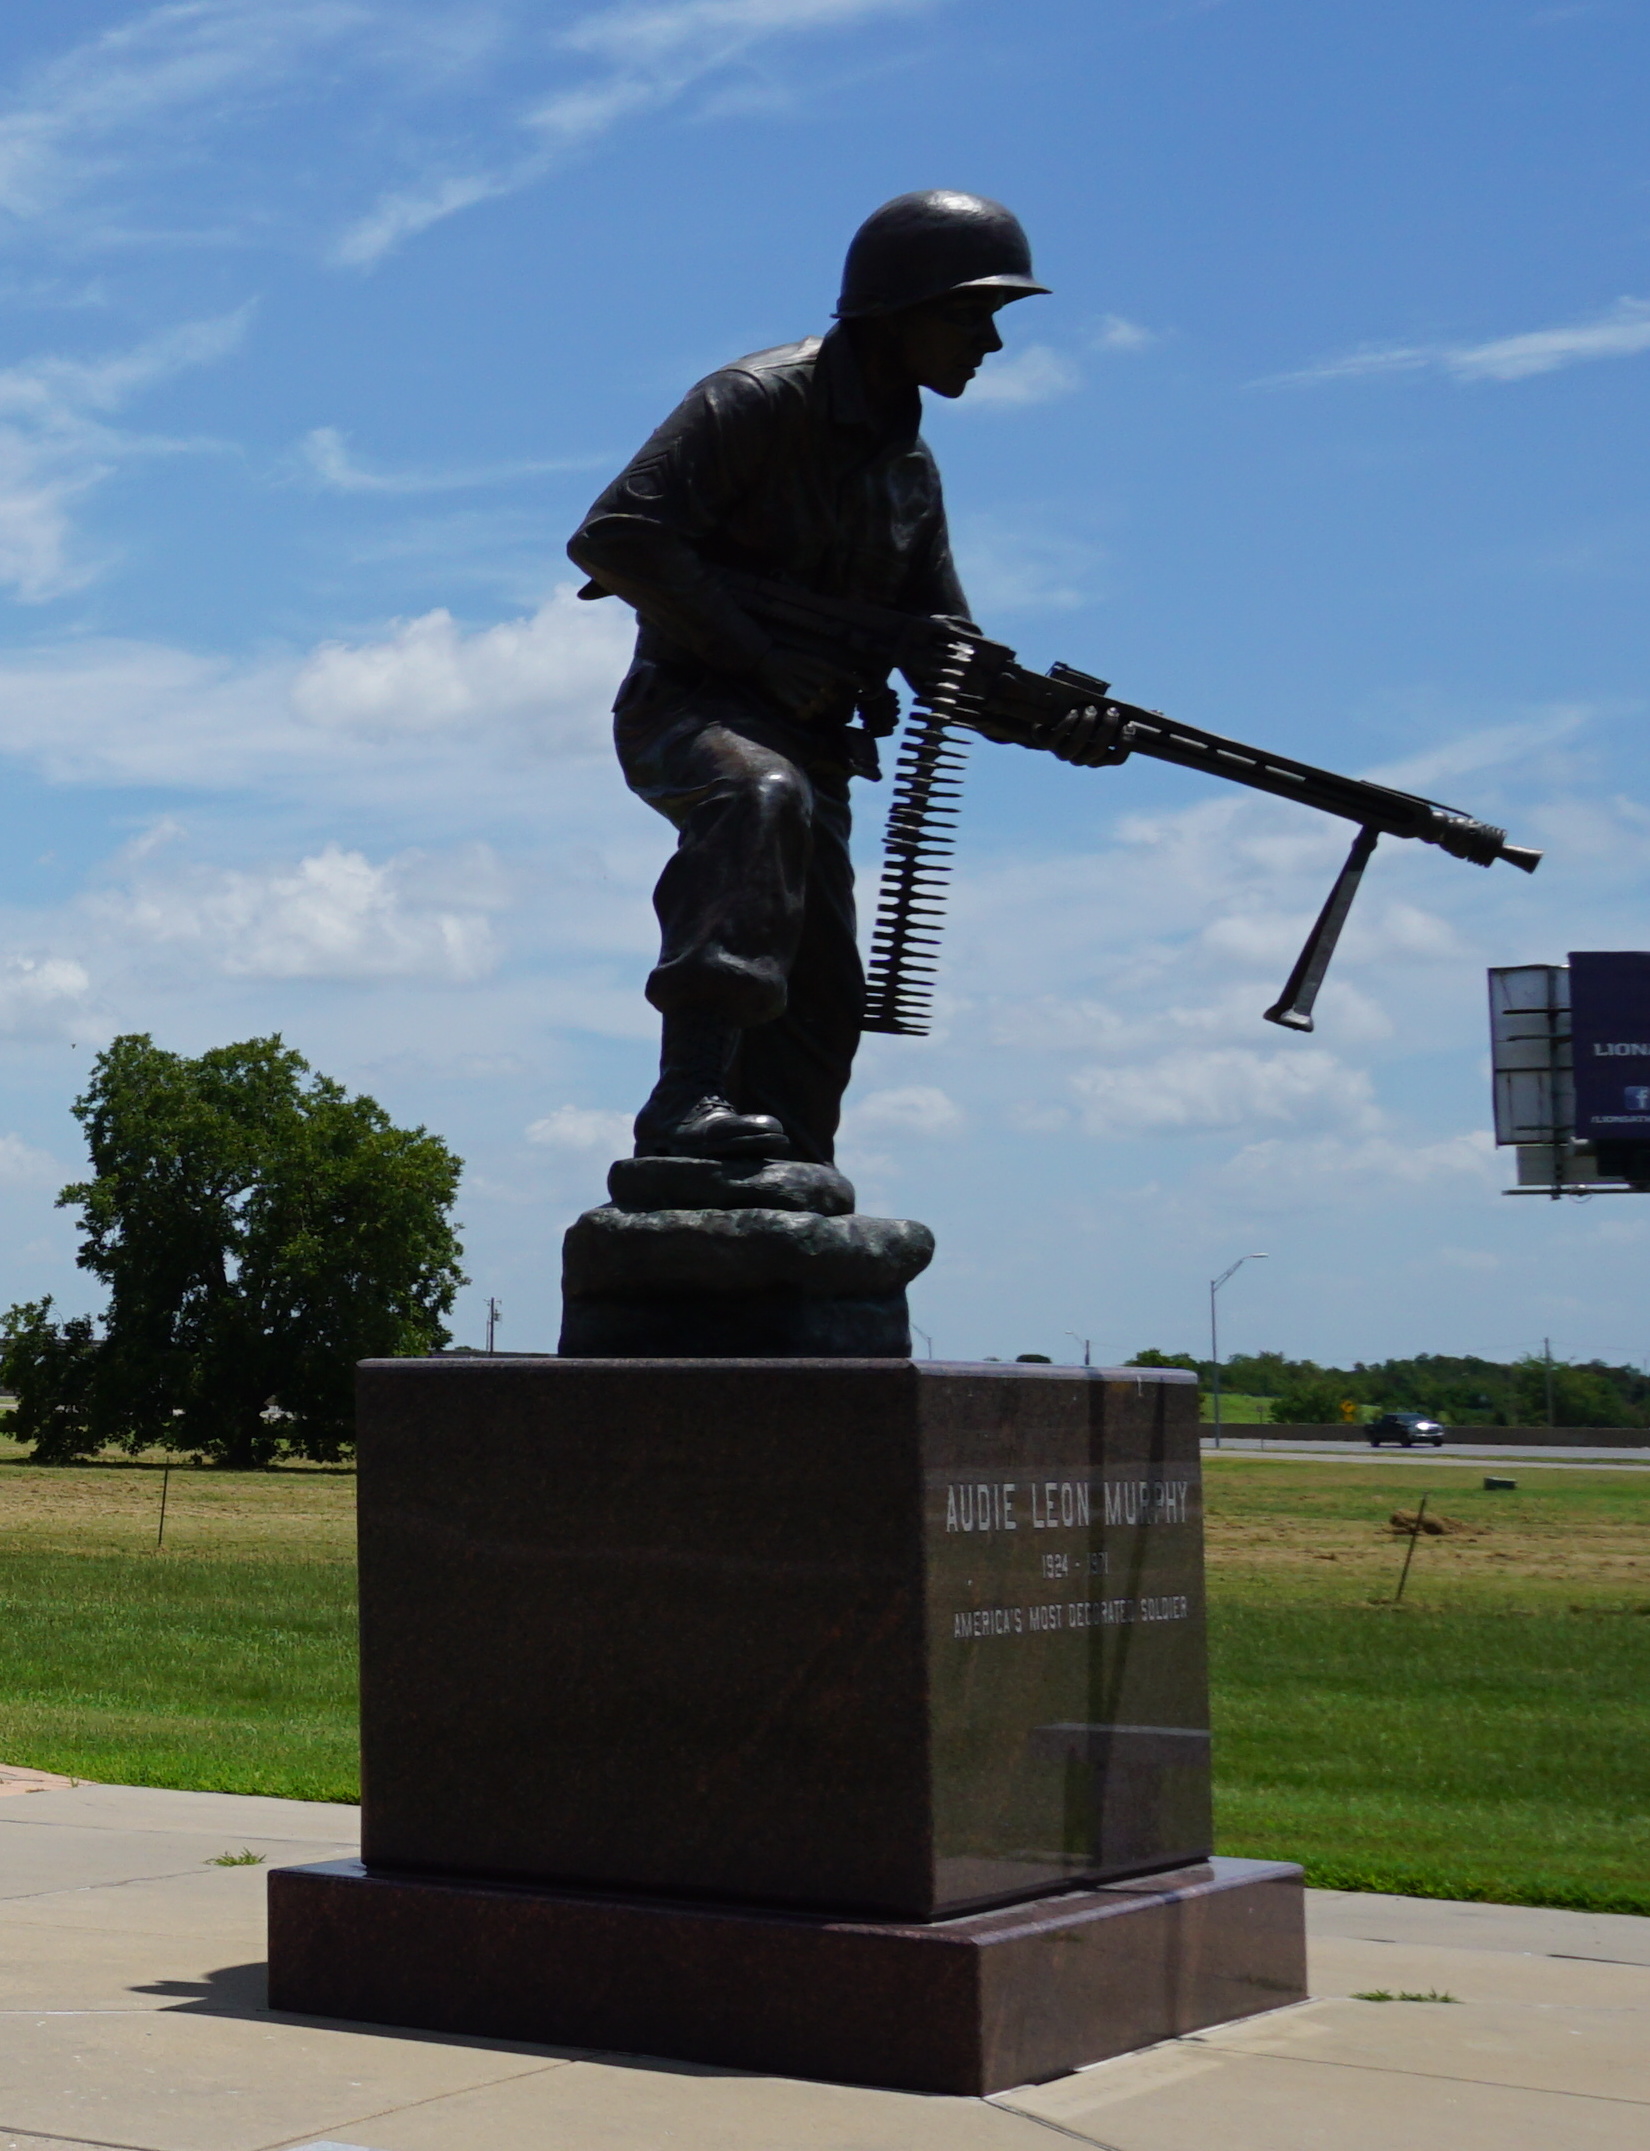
(688, 1116)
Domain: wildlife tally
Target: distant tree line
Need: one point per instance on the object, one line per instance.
(257, 1231)
(1461, 1392)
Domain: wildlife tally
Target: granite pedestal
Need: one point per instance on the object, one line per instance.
(840, 1717)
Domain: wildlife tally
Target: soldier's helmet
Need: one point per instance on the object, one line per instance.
(925, 246)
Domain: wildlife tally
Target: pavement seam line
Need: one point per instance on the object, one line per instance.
(1424, 2076)
(50, 2136)
(38, 1821)
(124, 1882)
(1482, 1949)
(1022, 2113)
(135, 1934)
(31, 1818)
(411, 2106)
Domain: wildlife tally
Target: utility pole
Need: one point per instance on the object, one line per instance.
(1084, 1342)
(494, 1310)
(1547, 1355)
(1215, 1284)
(927, 1340)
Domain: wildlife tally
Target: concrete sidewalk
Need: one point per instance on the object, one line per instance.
(132, 2019)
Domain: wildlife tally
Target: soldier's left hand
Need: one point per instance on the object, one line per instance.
(1088, 737)
(879, 711)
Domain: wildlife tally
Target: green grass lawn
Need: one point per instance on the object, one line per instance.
(225, 1662)
(1488, 1738)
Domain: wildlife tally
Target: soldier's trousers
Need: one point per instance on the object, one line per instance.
(756, 907)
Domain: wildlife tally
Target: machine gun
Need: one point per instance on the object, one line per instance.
(965, 683)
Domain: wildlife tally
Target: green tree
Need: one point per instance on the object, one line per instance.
(1315, 1402)
(49, 1367)
(1460, 1390)
(1583, 1396)
(259, 1231)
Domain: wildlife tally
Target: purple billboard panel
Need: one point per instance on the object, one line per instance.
(1610, 1025)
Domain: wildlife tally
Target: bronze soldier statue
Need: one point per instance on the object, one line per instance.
(782, 538)
(804, 464)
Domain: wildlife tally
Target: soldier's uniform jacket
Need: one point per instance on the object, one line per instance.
(778, 464)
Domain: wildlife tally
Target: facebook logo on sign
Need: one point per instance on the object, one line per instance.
(1637, 1097)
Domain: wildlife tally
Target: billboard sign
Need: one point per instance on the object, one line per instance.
(1610, 1040)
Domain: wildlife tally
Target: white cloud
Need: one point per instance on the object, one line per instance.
(1117, 334)
(914, 1109)
(583, 1128)
(1008, 568)
(86, 137)
(1485, 747)
(159, 77)
(55, 392)
(1355, 365)
(1036, 374)
(42, 995)
(650, 57)
(646, 37)
(326, 455)
(1194, 1092)
(55, 444)
(1621, 332)
(22, 1165)
(522, 691)
(1289, 1173)
(556, 666)
(1466, 1258)
(405, 213)
(333, 915)
(1064, 1024)
(1265, 939)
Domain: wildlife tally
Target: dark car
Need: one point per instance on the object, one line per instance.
(1411, 1430)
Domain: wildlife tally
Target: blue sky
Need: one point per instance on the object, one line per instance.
(324, 320)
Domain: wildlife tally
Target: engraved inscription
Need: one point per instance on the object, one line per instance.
(1074, 1613)
(980, 1505)
(1098, 1506)
(1063, 1504)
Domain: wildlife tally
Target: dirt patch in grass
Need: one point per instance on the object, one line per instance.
(1272, 1523)
(115, 1508)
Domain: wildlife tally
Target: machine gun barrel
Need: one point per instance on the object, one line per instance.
(964, 681)
(1371, 806)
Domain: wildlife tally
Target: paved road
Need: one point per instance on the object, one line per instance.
(1499, 1461)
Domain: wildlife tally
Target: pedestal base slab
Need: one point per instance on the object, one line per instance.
(963, 2006)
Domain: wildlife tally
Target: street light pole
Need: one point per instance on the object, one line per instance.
(1215, 1284)
(1547, 1355)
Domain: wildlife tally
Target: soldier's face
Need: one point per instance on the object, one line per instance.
(943, 344)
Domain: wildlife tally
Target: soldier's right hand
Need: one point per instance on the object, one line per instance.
(805, 685)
